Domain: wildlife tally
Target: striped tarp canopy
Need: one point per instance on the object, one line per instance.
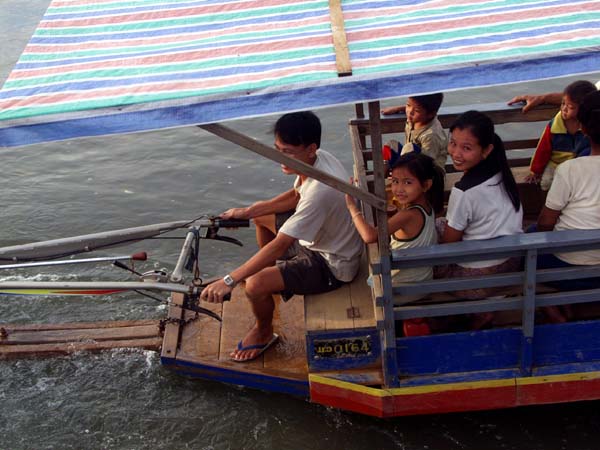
(96, 67)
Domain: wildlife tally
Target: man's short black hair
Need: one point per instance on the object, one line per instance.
(299, 128)
(430, 102)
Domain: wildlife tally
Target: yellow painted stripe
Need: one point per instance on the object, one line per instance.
(374, 392)
(28, 292)
(467, 385)
(61, 292)
(411, 390)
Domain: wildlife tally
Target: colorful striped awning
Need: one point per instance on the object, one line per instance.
(96, 67)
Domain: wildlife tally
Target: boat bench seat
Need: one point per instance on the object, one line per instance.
(348, 307)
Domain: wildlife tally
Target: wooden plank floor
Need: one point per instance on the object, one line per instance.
(21, 341)
(290, 353)
(205, 340)
(202, 339)
(348, 307)
(237, 320)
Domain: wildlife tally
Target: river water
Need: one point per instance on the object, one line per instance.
(124, 399)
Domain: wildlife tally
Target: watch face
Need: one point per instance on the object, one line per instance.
(228, 280)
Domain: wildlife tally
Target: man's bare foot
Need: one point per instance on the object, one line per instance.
(255, 343)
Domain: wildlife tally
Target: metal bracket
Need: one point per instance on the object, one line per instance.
(353, 312)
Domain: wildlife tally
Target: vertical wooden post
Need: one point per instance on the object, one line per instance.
(388, 331)
(340, 43)
(528, 318)
(359, 110)
(173, 329)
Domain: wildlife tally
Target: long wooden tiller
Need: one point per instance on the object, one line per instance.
(22, 341)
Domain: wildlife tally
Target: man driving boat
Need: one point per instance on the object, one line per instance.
(308, 244)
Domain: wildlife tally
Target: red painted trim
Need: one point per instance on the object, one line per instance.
(455, 400)
(349, 400)
(558, 392)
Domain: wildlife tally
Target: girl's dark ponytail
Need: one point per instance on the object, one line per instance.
(435, 195)
(510, 185)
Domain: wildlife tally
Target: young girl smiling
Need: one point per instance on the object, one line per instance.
(418, 186)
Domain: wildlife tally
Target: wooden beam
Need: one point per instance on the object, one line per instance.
(173, 329)
(74, 335)
(77, 325)
(388, 333)
(342, 55)
(32, 340)
(49, 349)
(300, 167)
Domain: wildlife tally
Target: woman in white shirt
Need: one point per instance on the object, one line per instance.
(485, 203)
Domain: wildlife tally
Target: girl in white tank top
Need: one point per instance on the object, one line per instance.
(418, 186)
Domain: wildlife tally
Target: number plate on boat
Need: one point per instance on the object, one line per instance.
(343, 348)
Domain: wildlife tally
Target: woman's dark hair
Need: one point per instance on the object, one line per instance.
(482, 128)
(577, 90)
(589, 116)
(299, 128)
(424, 168)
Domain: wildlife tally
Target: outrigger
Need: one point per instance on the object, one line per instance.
(338, 349)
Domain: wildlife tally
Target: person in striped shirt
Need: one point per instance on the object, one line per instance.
(562, 138)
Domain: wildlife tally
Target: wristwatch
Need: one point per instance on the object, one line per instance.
(229, 281)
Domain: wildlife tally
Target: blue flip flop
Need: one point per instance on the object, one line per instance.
(261, 347)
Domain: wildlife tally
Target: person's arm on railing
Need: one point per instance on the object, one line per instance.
(451, 235)
(547, 219)
(531, 101)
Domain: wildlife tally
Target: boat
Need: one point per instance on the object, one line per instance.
(98, 68)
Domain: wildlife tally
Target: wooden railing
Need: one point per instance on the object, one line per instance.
(526, 246)
(521, 245)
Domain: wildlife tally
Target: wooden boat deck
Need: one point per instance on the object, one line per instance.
(203, 341)
(206, 341)
(348, 307)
